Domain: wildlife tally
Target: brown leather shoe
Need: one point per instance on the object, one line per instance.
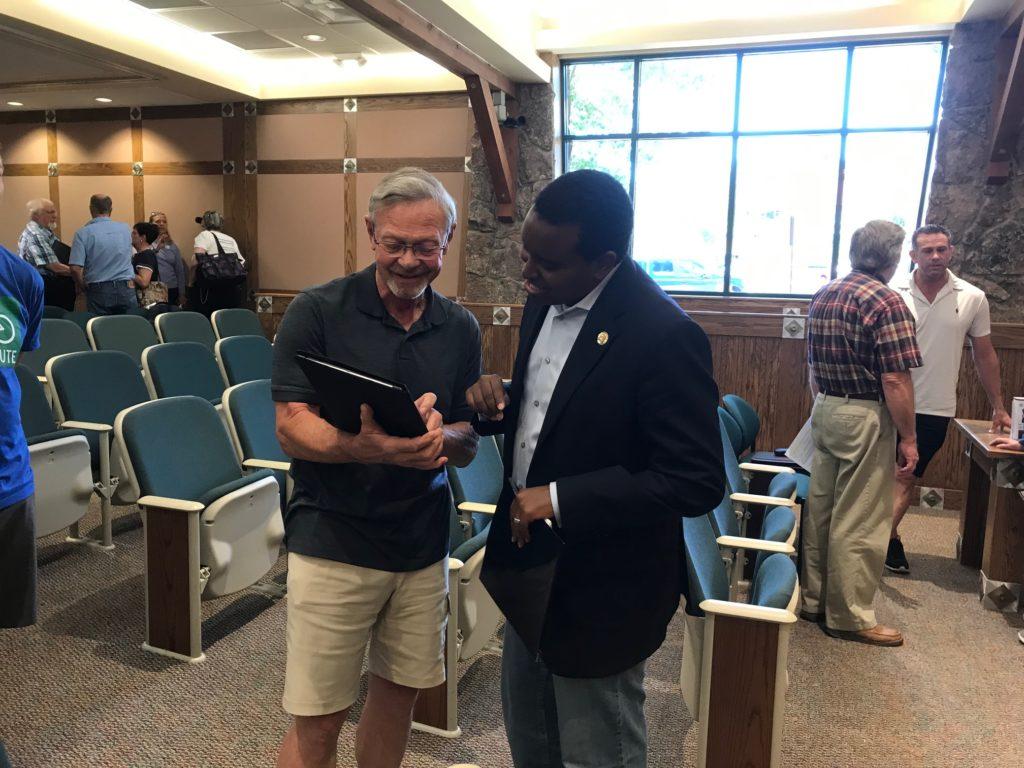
(876, 635)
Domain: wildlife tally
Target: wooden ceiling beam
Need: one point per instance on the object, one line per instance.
(408, 27)
(1013, 18)
(1008, 112)
(499, 146)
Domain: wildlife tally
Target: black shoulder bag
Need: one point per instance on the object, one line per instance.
(220, 269)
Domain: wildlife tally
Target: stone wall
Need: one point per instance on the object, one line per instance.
(492, 247)
(986, 220)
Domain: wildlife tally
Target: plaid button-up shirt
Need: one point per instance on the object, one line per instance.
(857, 329)
(36, 245)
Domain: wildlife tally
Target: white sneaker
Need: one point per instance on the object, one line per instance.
(1020, 635)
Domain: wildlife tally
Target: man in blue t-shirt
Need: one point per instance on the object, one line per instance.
(21, 313)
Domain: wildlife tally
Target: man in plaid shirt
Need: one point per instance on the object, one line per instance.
(861, 346)
(36, 247)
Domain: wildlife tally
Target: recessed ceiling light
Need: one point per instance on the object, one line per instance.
(314, 38)
(103, 99)
(15, 104)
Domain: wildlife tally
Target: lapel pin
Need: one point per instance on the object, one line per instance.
(602, 338)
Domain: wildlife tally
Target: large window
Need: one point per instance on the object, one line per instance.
(750, 170)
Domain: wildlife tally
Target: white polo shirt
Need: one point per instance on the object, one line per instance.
(958, 311)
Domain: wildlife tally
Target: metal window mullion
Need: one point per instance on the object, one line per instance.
(932, 134)
(841, 174)
(730, 216)
(634, 132)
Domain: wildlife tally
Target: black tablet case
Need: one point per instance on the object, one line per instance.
(343, 388)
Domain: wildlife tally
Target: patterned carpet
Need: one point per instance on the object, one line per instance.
(77, 690)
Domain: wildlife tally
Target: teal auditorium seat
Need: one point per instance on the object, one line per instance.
(52, 312)
(236, 322)
(182, 368)
(747, 419)
(56, 337)
(127, 333)
(473, 616)
(81, 319)
(89, 389)
(740, 696)
(59, 459)
(737, 480)
(227, 523)
(185, 326)
(252, 423)
(244, 358)
(734, 430)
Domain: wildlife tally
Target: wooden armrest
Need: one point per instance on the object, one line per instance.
(753, 498)
(769, 469)
(175, 505)
(760, 545)
(284, 466)
(472, 506)
(89, 425)
(454, 565)
(751, 612)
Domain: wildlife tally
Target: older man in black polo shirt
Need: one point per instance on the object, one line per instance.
(367, 524)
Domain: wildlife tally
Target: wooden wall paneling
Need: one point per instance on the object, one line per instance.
(24, 169)
(138, 189)
(497, 349)
(414, 101)
(430, 164)
(302, 166)
(51, 152)
(352, 223)
(95, 169)
(467, 194)
(185, 168)
(234, 181)
(250, 202)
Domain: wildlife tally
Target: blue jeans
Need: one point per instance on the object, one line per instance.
(555, 721)
(114, 297)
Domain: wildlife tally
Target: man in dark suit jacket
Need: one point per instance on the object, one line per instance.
(611, 437)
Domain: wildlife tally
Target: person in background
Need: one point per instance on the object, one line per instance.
(36, 246)
(948, 310)
(861, 348)
(101, 261)
(21, 315)
(149, 289)
(206, 297)
(171, 264)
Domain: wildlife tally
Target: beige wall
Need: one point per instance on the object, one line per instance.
(301, 137)
(23, 143)
(13, 214)
(182, 139)
(182, 198)
(75, 192)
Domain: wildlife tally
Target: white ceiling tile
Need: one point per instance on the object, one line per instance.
(284, 54)
(240, 3)
(276, 16)
(157, 5)
(368, 36)
(253, 41)
(208, 20)
(335, 42)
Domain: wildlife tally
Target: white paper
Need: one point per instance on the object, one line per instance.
(801, 450)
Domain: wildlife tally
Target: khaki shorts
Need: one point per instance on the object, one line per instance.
(335, 608)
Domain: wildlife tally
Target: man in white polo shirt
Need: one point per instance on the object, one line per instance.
(947, 309)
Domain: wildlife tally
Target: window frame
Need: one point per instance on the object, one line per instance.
(844, 131)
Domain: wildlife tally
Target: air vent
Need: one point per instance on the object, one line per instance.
(324, 11)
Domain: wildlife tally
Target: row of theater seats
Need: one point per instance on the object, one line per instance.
(136, 436)
(733, 673)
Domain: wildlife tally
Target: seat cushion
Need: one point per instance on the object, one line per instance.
(58, 434)
(705, 571)
(774, 582)
(213, 494)
(783, 486)
(470, 547)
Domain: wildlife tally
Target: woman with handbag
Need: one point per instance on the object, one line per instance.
(219, 268)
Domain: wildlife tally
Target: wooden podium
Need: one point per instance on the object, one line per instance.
(992, 522)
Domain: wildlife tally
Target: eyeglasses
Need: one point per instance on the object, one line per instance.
(424, 249)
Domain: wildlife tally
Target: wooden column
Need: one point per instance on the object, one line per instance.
(353, 224)
(138, 182)
(51, 157)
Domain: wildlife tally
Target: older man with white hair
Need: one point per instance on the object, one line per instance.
(36, 246)
(861, 347)
(367, 524)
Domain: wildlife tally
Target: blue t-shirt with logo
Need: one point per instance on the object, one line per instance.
(21, 312)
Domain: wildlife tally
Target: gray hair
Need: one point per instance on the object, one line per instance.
(37, 204)
(876, 246)
(411, 185)
(212, 220)
(100, 205)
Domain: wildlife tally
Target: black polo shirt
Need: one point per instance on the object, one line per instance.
(378, 515)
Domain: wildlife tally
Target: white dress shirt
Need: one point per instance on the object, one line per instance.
(554, 343)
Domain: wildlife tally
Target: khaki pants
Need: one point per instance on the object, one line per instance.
(849, 510)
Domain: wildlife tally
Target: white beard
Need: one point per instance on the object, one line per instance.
(404, 292)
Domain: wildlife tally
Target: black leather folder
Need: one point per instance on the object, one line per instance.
(343, 389)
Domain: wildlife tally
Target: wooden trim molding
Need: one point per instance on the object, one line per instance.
(452, 100)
